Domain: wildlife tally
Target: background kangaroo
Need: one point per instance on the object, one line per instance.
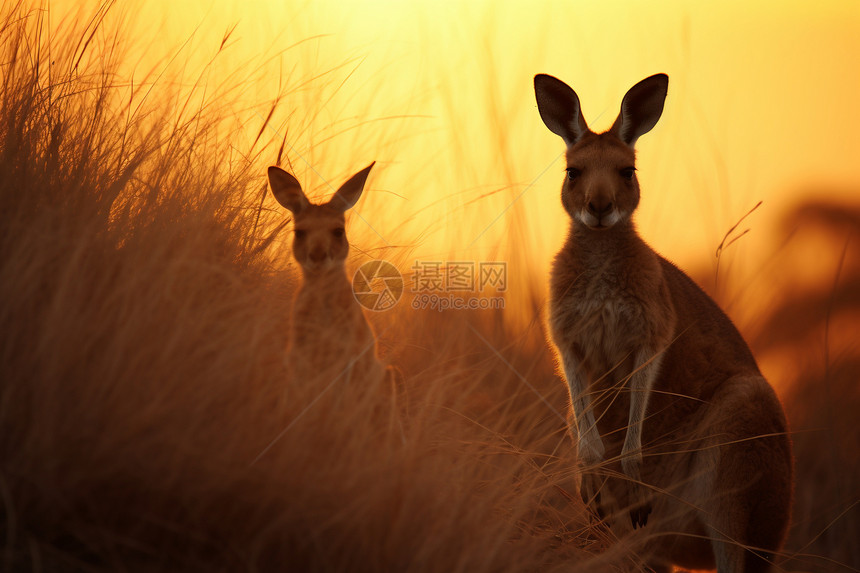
(329, 336)
(668, 400)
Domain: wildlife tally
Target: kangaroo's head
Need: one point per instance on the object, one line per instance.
(601, 189)
(319, 243)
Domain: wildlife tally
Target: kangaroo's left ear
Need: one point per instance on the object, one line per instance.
(559, 108)
(287, 190)
(641, 108)
(349, 192)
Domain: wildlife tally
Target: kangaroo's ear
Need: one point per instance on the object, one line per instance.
(559, 108)
(287, 190)
(641, 108)
(349, 192)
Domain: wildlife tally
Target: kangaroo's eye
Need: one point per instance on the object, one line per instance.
(300, 234)
(337, 233)
(627, 173)
(573, 173)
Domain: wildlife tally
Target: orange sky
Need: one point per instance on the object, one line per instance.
(762, 105)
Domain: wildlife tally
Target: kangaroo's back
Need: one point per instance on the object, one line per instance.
(672, 415)
(704, 336)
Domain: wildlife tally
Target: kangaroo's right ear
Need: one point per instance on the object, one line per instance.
(641, 108)
(287, 190)
(349, 192)
(559, 108)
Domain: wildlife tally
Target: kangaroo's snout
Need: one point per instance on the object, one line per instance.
(599, 198)
(317, 255)
(320, 249)
(600, 210)
(600, 217)
(599, 207)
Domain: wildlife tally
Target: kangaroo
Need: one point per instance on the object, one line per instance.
(329, 335)
(671, 411)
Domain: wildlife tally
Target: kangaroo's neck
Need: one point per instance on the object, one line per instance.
(328, 289)
(334, 276)
(329, 330)
(595, 248)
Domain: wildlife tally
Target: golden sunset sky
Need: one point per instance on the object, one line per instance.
(762, 106)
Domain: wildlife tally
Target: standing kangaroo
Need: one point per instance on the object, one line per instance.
(330, 336)
(661, 382)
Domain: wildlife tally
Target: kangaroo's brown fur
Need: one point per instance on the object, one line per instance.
(330, 337)
(671, 411)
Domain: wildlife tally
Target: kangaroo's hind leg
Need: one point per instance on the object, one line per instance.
(746, 497)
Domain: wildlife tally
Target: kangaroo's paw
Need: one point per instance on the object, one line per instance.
(639, 502)
(590, 490)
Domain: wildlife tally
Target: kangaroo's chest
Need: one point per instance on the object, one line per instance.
(329, 333)
(602, 317)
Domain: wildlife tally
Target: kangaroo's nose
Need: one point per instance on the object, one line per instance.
(317, 255)
(599, 207)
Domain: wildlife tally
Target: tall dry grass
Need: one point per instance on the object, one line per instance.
(147, 421)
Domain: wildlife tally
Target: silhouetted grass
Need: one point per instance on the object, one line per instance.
(147, 421)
